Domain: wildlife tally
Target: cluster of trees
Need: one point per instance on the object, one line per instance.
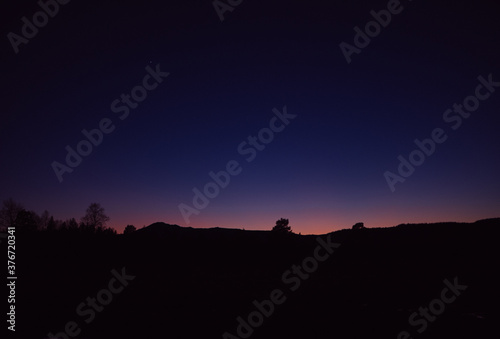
(13, 214)
(94, 221)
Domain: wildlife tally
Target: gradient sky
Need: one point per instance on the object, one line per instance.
(324, 171)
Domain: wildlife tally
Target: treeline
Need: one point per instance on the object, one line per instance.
(13, 214)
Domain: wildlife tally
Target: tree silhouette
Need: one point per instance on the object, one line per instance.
(129, 229)
(282, 226)
(43, 220)
(26, 221)
(9, 212)
(95, 218)
(51, 224)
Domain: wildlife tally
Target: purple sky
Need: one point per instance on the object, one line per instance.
(104, 66)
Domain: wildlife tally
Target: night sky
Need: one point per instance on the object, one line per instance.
(324, 132)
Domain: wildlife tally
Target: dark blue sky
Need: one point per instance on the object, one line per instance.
(323, 171)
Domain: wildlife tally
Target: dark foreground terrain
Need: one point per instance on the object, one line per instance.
(165, 281)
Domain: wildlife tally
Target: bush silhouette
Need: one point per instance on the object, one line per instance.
(358, 226)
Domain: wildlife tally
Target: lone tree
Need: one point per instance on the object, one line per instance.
(282, 226)
(95, 217)
(129, 229)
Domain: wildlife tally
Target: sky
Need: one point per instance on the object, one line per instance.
(310, 111)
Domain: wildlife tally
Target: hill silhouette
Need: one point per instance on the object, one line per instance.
(193, 283)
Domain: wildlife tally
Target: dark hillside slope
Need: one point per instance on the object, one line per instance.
(194, 283)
